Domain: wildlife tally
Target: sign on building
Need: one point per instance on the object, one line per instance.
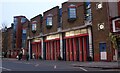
(116, 25)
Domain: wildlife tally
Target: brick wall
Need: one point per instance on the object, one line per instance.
(79, 13)
(9, 37)
(55, 20)
(37, 18)
(119, 8)
(26, 26)
(100, 36)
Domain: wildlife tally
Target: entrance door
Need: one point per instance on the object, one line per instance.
(71, 49)
(52, 49)
(80, 49)
(67, 49)
(103, 53)
(36, 50)
(76, 49)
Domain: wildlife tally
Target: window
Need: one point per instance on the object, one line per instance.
(88, 15)
(72, 12)
(34, 27)
(49, 21)
(15, 23)
(88, 4)
(15, 19)
(24, 31)
(23, 20)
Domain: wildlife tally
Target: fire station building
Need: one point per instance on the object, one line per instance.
(78, 31)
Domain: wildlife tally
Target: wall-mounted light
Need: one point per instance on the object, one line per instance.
(99, 5)
(101, 26)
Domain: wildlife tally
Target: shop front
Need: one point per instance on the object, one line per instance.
(76, 46)
(52, 47)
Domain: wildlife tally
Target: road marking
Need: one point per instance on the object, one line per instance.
(54, 66)
(5, 68)
(37, 65)
(27, 63)
(83, 69)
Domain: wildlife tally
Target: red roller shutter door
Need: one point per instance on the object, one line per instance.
(58, 48)
(46, 50)
(85, 48)
(71, 51)
(75, 47)
(67, 49)
(80, 49)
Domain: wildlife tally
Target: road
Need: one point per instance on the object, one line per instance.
(42, 65)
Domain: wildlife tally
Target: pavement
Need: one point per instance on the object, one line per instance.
(103, 65)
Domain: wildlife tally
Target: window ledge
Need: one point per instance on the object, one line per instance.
(33, 31)
(71, 19)
(48, 26)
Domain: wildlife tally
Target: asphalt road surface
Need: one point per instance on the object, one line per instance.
(42, 65)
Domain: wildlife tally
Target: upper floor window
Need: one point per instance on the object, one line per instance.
(49, 20)
(88, 15)
(72, 12)
(34, 26)
(23, 20)
(15, 19)
(88, 4)
(24, 31)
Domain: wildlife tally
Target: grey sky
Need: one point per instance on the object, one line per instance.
(28, 8)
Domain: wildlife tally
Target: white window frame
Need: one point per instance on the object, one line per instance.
(113, 25)
(34, 27)
(49, 21)
(72, 12)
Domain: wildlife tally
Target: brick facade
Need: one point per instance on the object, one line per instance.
(55, 20)
(19, 32)
(119, 8)
(38, 20)
(26, 27)
(79, 13)
(72, 39)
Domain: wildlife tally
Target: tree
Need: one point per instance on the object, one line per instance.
(4, 37)
(113, 39)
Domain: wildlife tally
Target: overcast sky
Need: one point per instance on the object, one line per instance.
(28, 8)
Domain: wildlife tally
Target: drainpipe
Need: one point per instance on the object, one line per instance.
(42, 47)
(90, 42)
(61, 46)
(29, 51)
